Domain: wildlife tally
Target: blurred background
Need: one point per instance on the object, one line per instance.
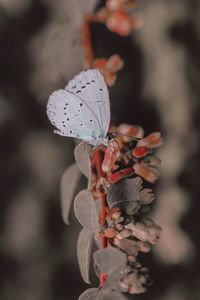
(158, 88)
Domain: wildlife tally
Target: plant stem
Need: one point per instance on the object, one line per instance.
(103, 239)
(98, 161)
(86, 39)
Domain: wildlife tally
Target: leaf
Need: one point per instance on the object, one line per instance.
(109, 259)
(96, 294)
(82, 158)
(124, 193)
(111, 295)
(85, 211)
(68, 184)
(98, 206)
(84, 246)
(113, 278)
(89, 294)
(98, 242)
(129, 246)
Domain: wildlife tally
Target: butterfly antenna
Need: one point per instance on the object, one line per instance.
(132, 137)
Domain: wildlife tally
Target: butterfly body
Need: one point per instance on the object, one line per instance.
(82, 109)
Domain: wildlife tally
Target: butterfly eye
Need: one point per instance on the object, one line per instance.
(110, 136)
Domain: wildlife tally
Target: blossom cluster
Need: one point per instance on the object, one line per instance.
(124, 156)
(124, 224)
(113, 210)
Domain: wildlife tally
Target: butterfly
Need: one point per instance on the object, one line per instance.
(82, 109)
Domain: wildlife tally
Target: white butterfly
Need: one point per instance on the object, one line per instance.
(82, 109)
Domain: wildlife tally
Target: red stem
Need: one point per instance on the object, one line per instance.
(97, 159)
(103, 239)
(103, 219)
(86, 39)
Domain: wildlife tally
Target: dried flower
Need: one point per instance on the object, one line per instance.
(116, 17)
(121, 23)
(108, 67)
(119, 4)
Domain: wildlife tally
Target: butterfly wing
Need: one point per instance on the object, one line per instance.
(71, 116)
(91, 88)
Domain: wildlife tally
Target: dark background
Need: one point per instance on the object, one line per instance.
(158, 88)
